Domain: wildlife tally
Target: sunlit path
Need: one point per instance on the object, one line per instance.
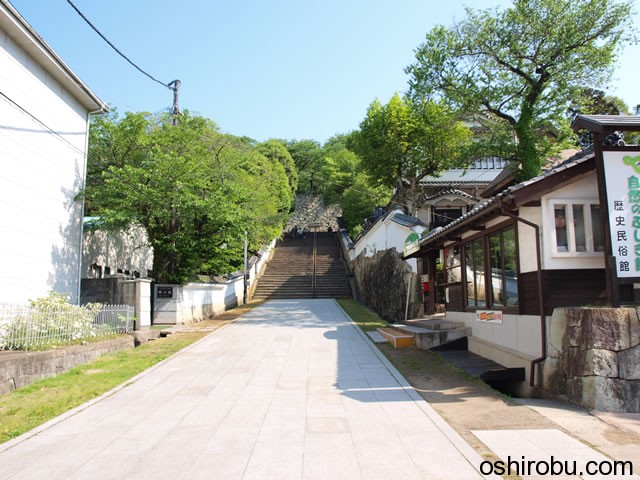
(291, 390)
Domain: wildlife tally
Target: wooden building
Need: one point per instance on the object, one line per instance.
(506, 264)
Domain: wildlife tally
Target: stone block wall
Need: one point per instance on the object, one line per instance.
(18, 369)
(311, 210)
(593, 357)
(381, 283)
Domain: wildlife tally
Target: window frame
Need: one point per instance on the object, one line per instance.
(569, 204)
(484, 237)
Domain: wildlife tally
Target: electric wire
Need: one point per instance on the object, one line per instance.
(168, 85)
(40, 122)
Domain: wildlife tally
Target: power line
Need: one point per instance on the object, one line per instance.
(174, 85)
(40, 122)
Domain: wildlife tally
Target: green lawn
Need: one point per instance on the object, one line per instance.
(28, 407)
(366, 319)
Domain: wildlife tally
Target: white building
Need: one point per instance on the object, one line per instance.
(389, 231)
(44, 121)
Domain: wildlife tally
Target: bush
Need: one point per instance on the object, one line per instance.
(46, 321)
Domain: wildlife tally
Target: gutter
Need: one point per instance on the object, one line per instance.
(543, 322)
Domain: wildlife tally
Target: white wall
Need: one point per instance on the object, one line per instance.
(584, 189)
(383, 235)
(518, 333)
(125, 250)
(196, 302)
(43, 169)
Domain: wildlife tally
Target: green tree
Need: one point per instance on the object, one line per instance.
(276, 150)
(359, 201)
(590, 101)
(307, 155)
(339, 168)
(522, 65)
(194, 190)
(403, 141)
(345, 182)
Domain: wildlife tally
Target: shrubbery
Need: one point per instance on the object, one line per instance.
(46, 321)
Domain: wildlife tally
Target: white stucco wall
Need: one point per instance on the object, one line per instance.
(585, 189)
(383, 235)
(126, 250)
(517, 333)
(43, 136)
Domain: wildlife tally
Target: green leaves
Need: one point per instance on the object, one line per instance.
(522, 66)
(194, 189)
(402, 142)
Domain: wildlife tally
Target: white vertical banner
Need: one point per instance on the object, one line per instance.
(622, 176)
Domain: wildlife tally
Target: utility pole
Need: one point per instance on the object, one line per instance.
(175, 110)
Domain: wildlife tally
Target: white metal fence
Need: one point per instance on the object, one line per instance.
(24, 327)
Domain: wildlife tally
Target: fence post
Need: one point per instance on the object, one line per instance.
(26, 332)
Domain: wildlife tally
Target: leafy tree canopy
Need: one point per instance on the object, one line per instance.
(194, 189)
(307, 156)
(522, 66)
(404, 141)
(276, 150)
(591, 101)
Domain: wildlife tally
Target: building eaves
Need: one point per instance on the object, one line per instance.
(451, 191)
(19, 30)
(606, 123)
(406, 220)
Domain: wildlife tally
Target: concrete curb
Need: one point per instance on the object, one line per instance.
(70, 413)
(473, 457)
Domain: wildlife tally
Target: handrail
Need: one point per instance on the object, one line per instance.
(313, 255)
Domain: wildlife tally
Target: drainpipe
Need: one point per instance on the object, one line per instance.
(543, 322)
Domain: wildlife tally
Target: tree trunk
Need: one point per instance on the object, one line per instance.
(526, 151)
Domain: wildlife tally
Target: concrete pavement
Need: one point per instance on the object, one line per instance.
(291, 390)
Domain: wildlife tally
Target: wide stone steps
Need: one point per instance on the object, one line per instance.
(289, 273)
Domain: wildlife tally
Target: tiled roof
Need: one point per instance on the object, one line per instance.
(601, 123)
(406, 220)
(450, 191)
(462, 177)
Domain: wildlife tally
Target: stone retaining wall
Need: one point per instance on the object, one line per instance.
(381, 283)
(18, 369)
(593, 357)
(311, 210)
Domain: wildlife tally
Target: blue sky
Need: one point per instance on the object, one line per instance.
(261, 68)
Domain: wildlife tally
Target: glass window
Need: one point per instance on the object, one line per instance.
(504, 277)
(578, 228)
(501, 275)
(596, 229)
(560, 215)
(509, 266)
(495, 255)
(474, 262)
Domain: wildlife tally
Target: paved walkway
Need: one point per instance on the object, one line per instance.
(291, 390)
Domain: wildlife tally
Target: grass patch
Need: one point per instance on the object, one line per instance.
(366, 319)
(35, 404)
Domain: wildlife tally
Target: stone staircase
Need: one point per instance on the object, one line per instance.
(290, 272)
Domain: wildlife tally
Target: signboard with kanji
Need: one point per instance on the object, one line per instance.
(622, 175)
